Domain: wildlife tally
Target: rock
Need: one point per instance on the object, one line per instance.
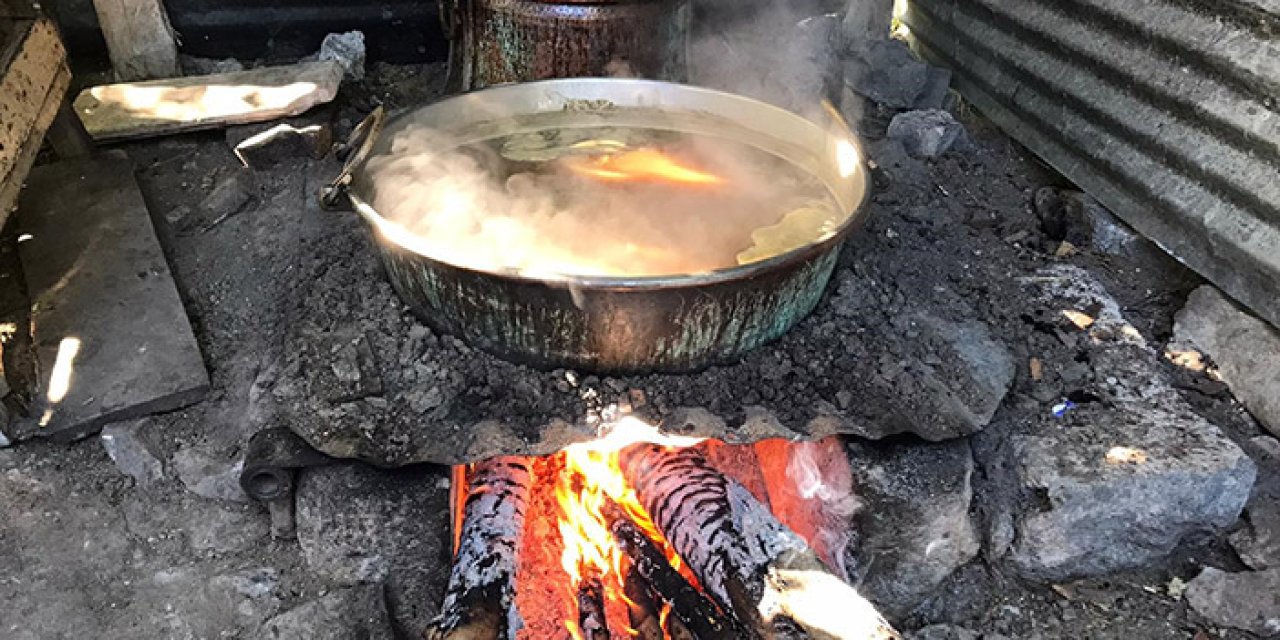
(228, 198)
(1116, 483)
(933, 377)
(915, 525)
(1249, 601)
(210, 477)
(354, 612)
(865, 22)
(1245, 349)
(1269, 446)
(1062, 215)
(347, 49)
(1076, 217)
(255, 584)
(1258, 543)
(284, 143)
(926, 134)
(350, 372)
(204, 525)
(888, 74)
(127, 446)
(951, 632)
(225, 528)
(357, 524)
(194, 66)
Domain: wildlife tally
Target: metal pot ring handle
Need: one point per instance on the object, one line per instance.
(358, 146)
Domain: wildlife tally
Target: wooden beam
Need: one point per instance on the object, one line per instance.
(33, 80)
(139, 38)
(163, 107)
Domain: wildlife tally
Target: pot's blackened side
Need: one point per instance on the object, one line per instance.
(674, 328)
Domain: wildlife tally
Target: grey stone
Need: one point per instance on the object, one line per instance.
(865, 22)
(1116, 484)
(951, 632)
(344, 614)
(888, 74)
(229, 197)
(120, 328)
(196, 66)
(1248, 601)
(224, 528)
(209, 476)
(127, 446)
(1245, 349)
(194, 523)
(1269, 446)
(350, 372)
(926, 134)
(255, 584)
(915, 524)
(347, 49)
(1258, 543)
(284, 143)
(357, 524)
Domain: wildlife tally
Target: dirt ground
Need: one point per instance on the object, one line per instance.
(84, 551)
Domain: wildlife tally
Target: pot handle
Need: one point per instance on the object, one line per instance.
(356, 149)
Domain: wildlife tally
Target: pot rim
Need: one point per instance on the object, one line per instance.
(725, 274)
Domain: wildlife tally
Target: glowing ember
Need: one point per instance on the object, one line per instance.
(640, 165)
(592, 476)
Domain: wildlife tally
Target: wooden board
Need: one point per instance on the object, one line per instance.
(161, 107)
(33, 79)
(105, 307)
(139, 38)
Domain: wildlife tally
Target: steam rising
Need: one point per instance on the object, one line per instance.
(472, 205)
(778, 51)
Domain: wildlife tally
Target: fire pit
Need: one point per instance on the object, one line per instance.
(608, 224)
(645, 535)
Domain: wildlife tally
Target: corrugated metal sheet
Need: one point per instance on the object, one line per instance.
(1165, 110)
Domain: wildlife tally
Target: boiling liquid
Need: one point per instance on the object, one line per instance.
(597, 201)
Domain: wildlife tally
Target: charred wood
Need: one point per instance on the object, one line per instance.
(750, 564)
(698, 614)
(477, 605)
(642, 607)
(591, 615)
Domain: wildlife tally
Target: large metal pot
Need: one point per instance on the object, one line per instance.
(499, 41)
(619, 324)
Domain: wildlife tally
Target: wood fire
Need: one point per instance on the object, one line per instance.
(639, 534)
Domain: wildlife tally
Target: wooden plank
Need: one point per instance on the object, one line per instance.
(30, 64)
(111, 333)
(162, 107)
(11, 184)
(139, 38)
(33, 80)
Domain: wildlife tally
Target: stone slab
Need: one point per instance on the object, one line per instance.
(1245, 349)
(1120, 478)
(104, 301)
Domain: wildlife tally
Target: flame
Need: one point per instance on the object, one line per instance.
(592, 476)
(640, 165)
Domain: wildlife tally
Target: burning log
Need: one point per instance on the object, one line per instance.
(747, 561)
(642, 608)
(695, 611)
(591, 616)
(477, 605)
